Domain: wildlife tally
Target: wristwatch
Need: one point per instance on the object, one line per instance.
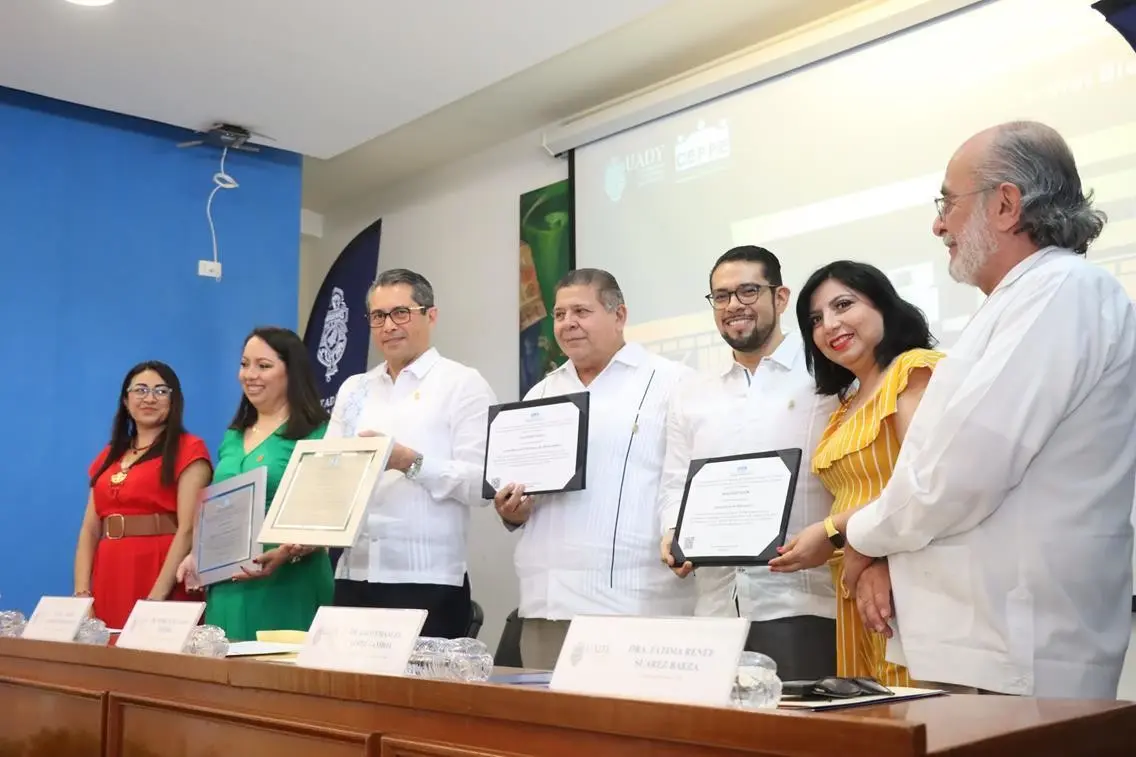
(415, 466)
(834, 536)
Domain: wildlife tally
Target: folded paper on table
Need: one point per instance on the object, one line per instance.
(261, 648)
(900, 694)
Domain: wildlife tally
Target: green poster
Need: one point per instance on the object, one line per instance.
(545, 233)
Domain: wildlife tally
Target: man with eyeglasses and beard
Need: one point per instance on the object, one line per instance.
(765, 400)
(411, 552)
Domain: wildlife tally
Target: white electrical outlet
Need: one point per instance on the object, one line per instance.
(209, 268)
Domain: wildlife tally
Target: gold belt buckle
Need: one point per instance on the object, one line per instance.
(108, 532)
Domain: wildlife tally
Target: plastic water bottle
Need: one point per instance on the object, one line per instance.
(450, 660)
(756, 685)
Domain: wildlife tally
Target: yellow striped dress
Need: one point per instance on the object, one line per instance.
(855, 460)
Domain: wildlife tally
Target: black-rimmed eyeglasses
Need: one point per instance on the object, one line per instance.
(747, 294)
(400, 315)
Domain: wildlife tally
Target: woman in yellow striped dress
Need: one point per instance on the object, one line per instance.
(873, 350)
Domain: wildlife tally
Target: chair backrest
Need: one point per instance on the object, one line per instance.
(476, 620)
(509, 647)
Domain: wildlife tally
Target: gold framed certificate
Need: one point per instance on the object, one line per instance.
(322, 498)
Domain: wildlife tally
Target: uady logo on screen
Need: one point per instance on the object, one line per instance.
(644, 167)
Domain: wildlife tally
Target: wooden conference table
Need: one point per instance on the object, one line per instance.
(67, 700)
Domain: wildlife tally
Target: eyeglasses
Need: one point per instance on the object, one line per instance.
(141, 391)
(399, 315)
(944, 204)
(747, 294)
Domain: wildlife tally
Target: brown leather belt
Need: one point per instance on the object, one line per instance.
(120, 526)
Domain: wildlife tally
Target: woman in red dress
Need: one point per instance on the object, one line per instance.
(145, 486)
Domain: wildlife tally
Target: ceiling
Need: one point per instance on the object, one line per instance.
(318, 76)
(372, 91)
(670, 41)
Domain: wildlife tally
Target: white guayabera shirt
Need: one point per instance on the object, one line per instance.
(776, 407)
(1007, 520)
(415, 530)
(596, 551)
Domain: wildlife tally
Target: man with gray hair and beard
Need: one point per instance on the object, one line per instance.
(1007, 521)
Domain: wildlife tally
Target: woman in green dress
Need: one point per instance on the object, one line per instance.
(280, 406)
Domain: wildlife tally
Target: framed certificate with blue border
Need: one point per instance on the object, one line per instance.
(228, 522)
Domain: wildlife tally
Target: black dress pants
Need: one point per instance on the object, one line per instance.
(804, 647)
(448, 607)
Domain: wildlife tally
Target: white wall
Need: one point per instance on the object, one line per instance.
(458, 226)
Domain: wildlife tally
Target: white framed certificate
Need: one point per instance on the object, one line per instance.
(541, 444)
(735, 509)
(322, 498)
(228, 522)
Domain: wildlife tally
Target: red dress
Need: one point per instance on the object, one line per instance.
(125, 570)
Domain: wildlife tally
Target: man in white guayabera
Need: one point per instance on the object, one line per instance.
(1006, 523)
(593, 551)
(411, 552)
(766, 400)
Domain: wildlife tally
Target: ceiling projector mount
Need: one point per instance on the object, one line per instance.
(227, 136)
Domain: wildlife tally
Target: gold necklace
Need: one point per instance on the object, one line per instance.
(124, 467)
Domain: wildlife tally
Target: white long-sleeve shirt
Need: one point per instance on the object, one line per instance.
(415, 529)
(734, 413)
(1007, 520)
(596, 551)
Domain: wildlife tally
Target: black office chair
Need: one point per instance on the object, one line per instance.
(476, 619)
(509, 647)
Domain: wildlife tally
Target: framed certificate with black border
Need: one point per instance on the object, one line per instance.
(541, 444)
(735, 509)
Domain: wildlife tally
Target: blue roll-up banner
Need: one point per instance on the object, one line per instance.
(1121, 14)
(338, 335)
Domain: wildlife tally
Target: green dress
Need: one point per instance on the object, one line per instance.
(287, 599)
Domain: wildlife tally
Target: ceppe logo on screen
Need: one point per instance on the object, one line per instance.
(640, 168)
(705, 146)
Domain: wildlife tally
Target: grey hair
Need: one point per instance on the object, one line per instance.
(1037, 160)
(607, 288)
(421, 291)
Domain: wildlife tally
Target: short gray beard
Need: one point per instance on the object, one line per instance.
(975, 245)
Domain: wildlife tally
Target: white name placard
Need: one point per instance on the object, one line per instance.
(58, 618)
(685, 660)
(362, 640)
(160, 626)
